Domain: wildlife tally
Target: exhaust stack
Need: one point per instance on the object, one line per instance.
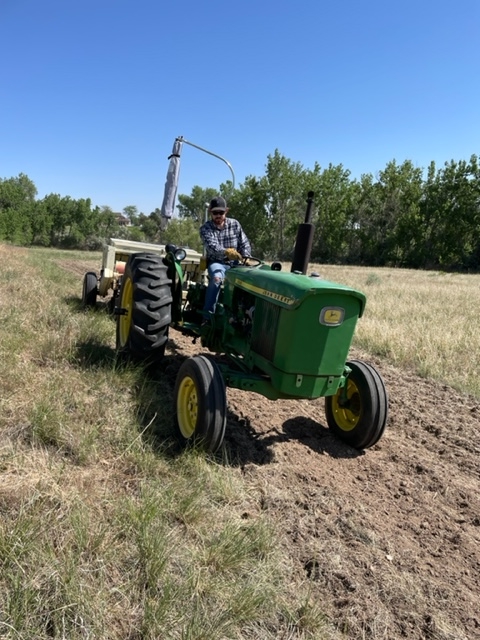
(304, 241)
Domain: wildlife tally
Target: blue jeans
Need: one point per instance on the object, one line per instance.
(216, 275)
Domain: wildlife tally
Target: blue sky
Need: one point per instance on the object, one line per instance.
(93, 93)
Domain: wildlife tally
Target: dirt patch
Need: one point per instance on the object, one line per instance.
(388, 538)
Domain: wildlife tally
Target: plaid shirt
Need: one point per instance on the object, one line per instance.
(217, 240)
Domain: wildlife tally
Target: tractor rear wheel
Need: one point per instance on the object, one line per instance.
(358, 414)
(201, 403)
(90, 290)
(144, 308)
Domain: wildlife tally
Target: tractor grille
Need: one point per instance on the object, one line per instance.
(265, 327)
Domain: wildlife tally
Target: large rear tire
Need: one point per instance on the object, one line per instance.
(144, 308)
(90, 290)
(360, 418)
(201, 403)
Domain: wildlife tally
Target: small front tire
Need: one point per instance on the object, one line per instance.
(201, 403)
(358, 414)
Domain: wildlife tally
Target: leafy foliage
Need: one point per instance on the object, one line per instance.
(193, 206)
(403, 217)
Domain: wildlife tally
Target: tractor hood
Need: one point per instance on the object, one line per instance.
(287, 289)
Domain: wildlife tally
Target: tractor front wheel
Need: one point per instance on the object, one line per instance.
(357, 414)
(143, 308)
(90, 290)
(201, 403)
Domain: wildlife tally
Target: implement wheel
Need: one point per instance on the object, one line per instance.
(144, 308)
(90, 290)
(201, 403)
(359, 416)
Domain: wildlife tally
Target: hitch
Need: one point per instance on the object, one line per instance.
(120, 311)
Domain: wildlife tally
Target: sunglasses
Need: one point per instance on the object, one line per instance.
(218, 213)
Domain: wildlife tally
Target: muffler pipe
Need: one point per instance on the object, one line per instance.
(304, 241)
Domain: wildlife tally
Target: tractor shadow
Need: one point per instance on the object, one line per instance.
(246, 445)
(153, 390)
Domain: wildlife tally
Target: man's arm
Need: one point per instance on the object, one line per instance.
(214, 249)
(243, 243)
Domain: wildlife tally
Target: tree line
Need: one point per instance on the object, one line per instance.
(404, 216)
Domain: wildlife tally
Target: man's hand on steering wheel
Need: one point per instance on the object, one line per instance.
(232, 254)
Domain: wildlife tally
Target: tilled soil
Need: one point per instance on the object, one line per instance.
(387, 538)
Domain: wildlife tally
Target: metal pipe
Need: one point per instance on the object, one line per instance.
(304, 241)
(182, 139)
(308, 214)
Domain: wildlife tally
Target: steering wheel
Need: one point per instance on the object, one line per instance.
(250, 261)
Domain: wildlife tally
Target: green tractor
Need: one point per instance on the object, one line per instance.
(280, 334)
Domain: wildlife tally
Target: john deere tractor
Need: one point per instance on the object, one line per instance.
(281, 334)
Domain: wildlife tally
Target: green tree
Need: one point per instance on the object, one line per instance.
(268, 207)
(131, 212)
(107, 222)
(285, 193)
(385, 220)
(15, 192)
(451, 214)
(332, 206)
(42, 223)
(363, 230)
(194, 205)
(83, 224)
(17, 204)
(150, 225)
(135, 233)
(56, 211)
(401, 188)
(248, 204)
(183, 233)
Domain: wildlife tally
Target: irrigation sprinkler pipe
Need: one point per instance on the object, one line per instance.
(182, 139)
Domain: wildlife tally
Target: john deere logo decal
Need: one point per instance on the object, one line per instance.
(265, 292)
(332, 316)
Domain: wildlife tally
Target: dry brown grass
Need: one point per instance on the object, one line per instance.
(106, 529)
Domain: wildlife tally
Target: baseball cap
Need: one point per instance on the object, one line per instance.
(218, 204)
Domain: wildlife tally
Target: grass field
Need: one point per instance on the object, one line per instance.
(426, 321)
(104, 532)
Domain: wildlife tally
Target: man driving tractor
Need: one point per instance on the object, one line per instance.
(225, 244)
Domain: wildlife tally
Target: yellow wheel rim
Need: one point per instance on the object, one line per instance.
(126, 303)
(187, 407)
(347, 418)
